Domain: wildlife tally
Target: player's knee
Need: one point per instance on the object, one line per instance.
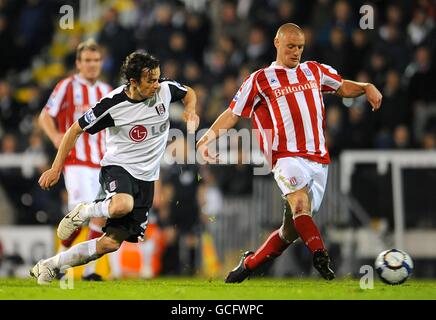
(120, 206)
(299, 205)
(107, 245)
(299, 202)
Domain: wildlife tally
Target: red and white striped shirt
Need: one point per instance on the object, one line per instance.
(71, 97)
(287, 108)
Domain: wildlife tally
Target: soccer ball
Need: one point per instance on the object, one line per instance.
(394, 266)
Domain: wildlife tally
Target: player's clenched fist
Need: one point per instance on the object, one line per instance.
(374, 97)
(49, 178)
(192, 120)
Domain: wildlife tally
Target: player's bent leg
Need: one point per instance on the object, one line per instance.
(301, 207)
(107, 244)
(115, 207)
(120, 205)
(95, 231)
(46, 270)
(272, 248)
(287, 230)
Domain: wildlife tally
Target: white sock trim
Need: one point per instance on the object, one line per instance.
(296, 215)
(94, 227)
(96, 209)
(105, 207)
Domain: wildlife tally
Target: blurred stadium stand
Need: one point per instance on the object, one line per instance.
(212, 46)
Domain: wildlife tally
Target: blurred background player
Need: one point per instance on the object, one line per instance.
(181, 183)
(286, 98)
(71, 98)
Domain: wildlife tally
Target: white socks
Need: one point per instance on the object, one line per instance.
(96, 210)
(75, 256)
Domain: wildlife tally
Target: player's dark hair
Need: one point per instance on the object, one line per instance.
(135, 63)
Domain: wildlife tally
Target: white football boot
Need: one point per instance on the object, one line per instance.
(70, 223)
(43, 273)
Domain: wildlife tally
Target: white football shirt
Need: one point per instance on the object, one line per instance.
(136, 131)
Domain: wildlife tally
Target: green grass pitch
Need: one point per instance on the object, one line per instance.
(203, 289)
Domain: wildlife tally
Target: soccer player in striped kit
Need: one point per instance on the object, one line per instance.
(136, 119)
(72, 97)
(286, 100)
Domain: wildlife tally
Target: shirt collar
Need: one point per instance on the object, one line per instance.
(84, 81)
(275, 65)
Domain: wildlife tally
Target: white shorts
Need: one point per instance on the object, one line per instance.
(82, 184)
(294, 173)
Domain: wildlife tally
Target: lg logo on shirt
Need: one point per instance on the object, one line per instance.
(138, 133)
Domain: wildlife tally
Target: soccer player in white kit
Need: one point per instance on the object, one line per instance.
(72, 97)
(286, 99)
(136, 119)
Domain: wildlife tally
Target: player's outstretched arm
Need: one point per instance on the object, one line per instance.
(50, 177)
(351, 89)
(191, 118)
(225, 121)
(48, 125)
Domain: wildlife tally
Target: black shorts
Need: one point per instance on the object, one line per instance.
(115, 179)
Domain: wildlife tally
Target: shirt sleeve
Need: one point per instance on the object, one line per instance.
(177, 91)
(246, 98)
(98, 117)
(330, 79)
(57, 97)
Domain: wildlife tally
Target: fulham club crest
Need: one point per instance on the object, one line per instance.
(160, 109)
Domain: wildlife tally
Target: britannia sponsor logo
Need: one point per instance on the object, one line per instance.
(282, 91)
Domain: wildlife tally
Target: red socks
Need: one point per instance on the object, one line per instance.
(274, 245)
(271, 248)
(308, 232)
(68, 242)
(94, 232)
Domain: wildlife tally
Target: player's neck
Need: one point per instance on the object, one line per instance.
(91, 81)
(133, 94)
(282, 64)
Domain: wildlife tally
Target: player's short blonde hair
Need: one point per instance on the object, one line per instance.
(89, 44)
(289, 27)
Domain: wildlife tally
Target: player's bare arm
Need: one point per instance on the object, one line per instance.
(189, 116)
(225, 121)
(351, 89)
(50, 177)
(48, 125)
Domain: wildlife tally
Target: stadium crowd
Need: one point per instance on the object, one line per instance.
(212, 46)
